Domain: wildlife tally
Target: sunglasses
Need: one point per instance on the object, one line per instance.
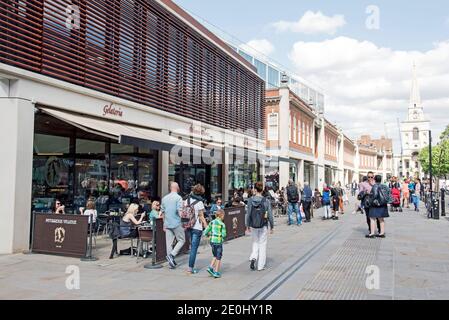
(58, 203)
(370, 177)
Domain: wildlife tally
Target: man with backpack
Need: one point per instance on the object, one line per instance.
(326, 202)
(293, 199)
(171, 206)
(307, 200)
(258, 217)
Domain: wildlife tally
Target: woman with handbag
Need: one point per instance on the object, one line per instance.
(379, 198)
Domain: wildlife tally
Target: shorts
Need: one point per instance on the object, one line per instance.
(217, 250)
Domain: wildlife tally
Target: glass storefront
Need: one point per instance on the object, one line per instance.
(209, 176)
(243, 174)
(72, 166)
(292, 172)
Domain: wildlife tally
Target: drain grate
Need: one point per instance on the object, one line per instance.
(343, 276)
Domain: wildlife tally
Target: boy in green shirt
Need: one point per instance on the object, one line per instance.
(217, 231)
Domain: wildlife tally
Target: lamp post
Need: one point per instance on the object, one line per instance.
(434, 212)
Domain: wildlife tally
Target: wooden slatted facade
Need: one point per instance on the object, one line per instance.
(136, 50)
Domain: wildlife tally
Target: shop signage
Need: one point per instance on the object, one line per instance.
(234, 221)
(64, 235)
(109, 109)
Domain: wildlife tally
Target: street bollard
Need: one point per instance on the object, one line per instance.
(443, 203)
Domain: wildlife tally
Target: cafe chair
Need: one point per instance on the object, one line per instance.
(102, 224)
(145, 235)
(114, 234)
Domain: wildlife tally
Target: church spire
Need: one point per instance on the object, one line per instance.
(415, 110)
(415, 97)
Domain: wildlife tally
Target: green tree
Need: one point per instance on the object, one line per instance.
(440, 157)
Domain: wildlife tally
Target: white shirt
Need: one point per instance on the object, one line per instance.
(89, 212)
(198, 207)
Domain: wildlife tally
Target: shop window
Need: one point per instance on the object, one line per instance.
(121, 148)
(132, 177)
(52, 179)
(91, 182)
(90, 146)
(44, 143)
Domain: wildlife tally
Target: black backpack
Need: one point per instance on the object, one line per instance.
(258, 215)
(380, 198)
(292, 194)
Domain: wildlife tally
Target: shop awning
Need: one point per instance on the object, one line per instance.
(123, 133)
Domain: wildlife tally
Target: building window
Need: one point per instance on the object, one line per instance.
(273, 126)
(415, 134)
(290, 128)
(307, 136)
(295, 129)
(273, 78)
(303, 142)
(261, 69)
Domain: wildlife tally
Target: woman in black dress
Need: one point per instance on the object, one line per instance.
(379, 199)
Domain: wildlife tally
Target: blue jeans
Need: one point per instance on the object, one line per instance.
(195, 238)
(294, 207)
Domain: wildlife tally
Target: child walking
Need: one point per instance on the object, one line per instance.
(217, 231)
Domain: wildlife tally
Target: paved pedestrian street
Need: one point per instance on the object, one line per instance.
(318, 260)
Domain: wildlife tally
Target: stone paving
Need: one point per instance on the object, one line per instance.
(318, 260)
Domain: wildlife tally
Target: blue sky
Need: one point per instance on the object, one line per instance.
(404, 25)
(358, 68)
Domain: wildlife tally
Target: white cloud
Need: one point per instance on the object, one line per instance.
(258, 47)
(312, 23)
(367, 85)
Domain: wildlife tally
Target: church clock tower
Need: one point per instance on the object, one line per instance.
(414, 133)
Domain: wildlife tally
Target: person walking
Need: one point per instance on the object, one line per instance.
(405, 194)
(307, 200)
(416, 194)
(170, 207)
(364, 191)
(335, 201)
(217, 232)
(258, 218)
(293, 199)
(354, 187)
(379, 199)
(326, 202)
(196, 200)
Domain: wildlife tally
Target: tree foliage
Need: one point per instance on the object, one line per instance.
(440, 157)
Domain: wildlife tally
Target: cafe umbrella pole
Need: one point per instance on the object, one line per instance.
(88, 256)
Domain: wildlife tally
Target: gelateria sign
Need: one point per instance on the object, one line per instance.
(112, 110)
(64, 235)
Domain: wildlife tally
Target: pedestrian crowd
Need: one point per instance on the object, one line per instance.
(189, 214)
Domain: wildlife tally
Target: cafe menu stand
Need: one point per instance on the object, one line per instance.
(89, 256)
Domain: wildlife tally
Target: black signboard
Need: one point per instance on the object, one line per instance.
(234, 221)
(61, 234)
